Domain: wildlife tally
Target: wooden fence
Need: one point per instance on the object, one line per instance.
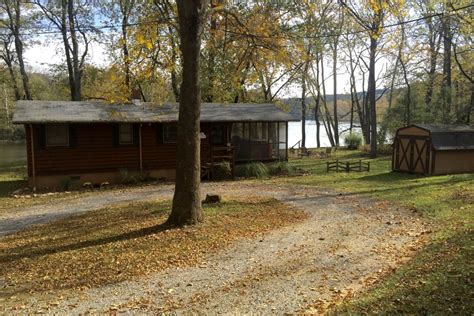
(348, 166)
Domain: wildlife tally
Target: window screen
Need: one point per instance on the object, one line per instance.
(170, 133)
(57, 135)
(125, 134)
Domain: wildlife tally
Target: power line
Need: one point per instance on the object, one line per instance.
(328, 35)
(415, 20)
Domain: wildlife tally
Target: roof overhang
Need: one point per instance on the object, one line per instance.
(39, 112)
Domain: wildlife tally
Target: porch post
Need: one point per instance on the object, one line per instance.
(140, 147)
(33, 169)
(286, 141)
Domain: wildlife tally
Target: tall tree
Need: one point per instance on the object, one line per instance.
(13, 9)
(7, 55)
(371, 18)
(187, 209)
(446, 89)
(66, 16)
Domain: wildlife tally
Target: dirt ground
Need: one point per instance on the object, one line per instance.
(347, 243)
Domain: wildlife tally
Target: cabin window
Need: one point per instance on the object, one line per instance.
(57, 135)
(259, 140)
(217, 135)
(170, 133)
(125, 134)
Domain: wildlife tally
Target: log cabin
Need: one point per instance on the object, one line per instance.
(95, 142)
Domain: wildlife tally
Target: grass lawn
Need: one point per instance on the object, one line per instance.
(439, 279)
(104, 246)
(14, 177)
(11, 178)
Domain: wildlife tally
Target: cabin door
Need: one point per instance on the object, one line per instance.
(412, 154)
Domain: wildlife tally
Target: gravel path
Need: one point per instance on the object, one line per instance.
(346, 244)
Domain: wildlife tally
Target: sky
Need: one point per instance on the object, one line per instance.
(46, 52)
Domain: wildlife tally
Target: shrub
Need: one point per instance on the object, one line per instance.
(383, 150)
(252, 170)
(125, 176)
(222, 171)
(281, 168)
(65, 184)
(353, 140)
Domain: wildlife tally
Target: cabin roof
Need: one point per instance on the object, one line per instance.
(450, 137)
(27, 112)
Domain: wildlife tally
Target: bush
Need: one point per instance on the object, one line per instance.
(222, 171)
(353, 141)
(65, 184)
(383, 150)
(281, 168)
(252, 170)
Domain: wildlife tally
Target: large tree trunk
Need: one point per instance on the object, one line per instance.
(187, 208)
(371, 98)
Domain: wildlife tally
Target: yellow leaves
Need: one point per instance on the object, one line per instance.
(104, 246)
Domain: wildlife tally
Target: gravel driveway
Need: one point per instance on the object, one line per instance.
(346, 244)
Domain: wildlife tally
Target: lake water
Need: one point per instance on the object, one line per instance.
(15, 154)
(12, 155)
(294, 133)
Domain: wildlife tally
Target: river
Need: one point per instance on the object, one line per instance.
(12, 155)
(294, 133)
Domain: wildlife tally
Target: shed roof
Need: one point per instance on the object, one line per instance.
(101, 112)
(450, 137)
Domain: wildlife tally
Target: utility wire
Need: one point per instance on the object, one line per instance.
(328, 35)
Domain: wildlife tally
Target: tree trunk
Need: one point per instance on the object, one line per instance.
(187, 208)
(303, 114)
(211, 58)
(318, 124)
(75, 52)
(126, 57)
(329, 125)
(371, 98)
(303, 104)
(14, 16)
(174, 79)
(447, 82)
(408, 93)
(317, 106)
(9, 62)
(434, 43)
(334, 69)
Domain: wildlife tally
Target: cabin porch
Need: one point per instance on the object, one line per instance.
(240, 142)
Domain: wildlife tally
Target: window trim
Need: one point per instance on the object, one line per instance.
(131, 134)
(47, 144)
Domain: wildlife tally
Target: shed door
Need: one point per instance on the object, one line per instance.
(412, 154)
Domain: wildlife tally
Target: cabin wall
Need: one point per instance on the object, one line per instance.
(94, 158)
(454, 161)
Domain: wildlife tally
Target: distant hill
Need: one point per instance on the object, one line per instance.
(343, 106)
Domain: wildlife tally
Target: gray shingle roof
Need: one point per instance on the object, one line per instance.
(97, 112)
(451, 137)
